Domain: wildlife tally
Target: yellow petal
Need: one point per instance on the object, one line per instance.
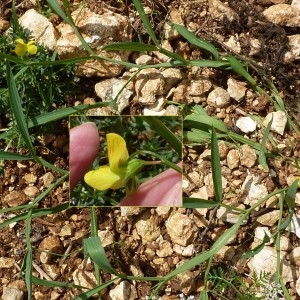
(20, 41)
(103, 178)
(117, 151)
(21, 47)
(31, 48)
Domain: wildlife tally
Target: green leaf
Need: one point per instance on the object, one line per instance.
(262, 156)
(16, 107)
(5, 155)
(216, 167)
(198, 203)
(193, 39)
(253, 251)
(129, 46)
(291, 194)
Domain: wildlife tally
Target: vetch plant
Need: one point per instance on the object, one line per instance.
(22, 48)
(121, 169)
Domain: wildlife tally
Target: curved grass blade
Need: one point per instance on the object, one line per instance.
(193, 39)
(262, 152)
(198, 203)
(5, 155)
(16, 107)
(130, 46)
(139, 7)
(216, 166)
(165, 132)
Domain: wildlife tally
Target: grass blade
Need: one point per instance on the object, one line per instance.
(139, 7)
(133, 46)
(16, 107)
(193, 39)
(216, 167)
(165, 132)
(198, 203)
(5, 155)
(290, 194)
(262, 156)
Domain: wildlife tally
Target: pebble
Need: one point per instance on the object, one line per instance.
(278, 123)
(218, 98)
(295, 225)
(15, 198)
(123, 291)
(226, 215)
(236, 89)
(147, 229)
(181, 229)
(269, 219)
(11, 293)
(246, 124)
(294, 256)
(248, 157)
(233, 159)
(84, 278)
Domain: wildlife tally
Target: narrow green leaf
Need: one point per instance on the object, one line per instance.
(216, 167)
(262, 156)
(16, 107)
(165, 132)
(208, 63)
(290, 194)
(139, 7)
(129, 46)
(198, 203)
(93, 247)
(254, 251)
(193, 39)
(238, 67)
(5, 155)
(198, 121)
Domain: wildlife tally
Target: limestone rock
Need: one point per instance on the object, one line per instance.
(11, 293)
(40, 27)
(175, 17)
(151, 112)
(181, 229)
(97, 30)
(236, 89)
(149, 85)
(248, 157)
(233, 159)
(148, 229)
(109, 89)
(294, 50)
(218, 98)
(123, 291)
(246, 124)
(84, 278)
(226, 215)
(171, 76)
(219, 11)
(15, 198)
(283, 15)
(279, 121)
(270, 218)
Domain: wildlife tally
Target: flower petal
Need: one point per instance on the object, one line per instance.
(103, 178)
(31, 48)
(117, 151)
(21, 47)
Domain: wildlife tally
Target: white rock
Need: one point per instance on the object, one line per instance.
(199, 87)
(165, 249)
(130, 210)
(6, 262)
(172, 110)
(158, 106)
(226, 215)
(233, 43)
(189, 250)
(236, 89)
(233, 159)
(149, 85)
(171, 76)
(283, 15)
(84, 278)
(246, 124)
(97, 30)
(40, 27)
(248, 157)
(298, 286)
(218, 98)
(259, 234)
(294, 256)
(294, 49)
(11, 293)
(201, 194)
(219, 11)
(279, 121)
(175, 17)
(208, 180)
(270, 218)
(106, 236)
(161, 56)
(109, 89)
(148, 229)
(123, 291)
(253, 191)
(181, 228)
(295, 225)
(255, 46)
(150, 112)
(296, 3)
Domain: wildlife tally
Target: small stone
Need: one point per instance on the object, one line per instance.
(199, 87)
(123, 291)
(187, 251)
(67, 231)
(236, 89)
(148, 229)
(171, 76)
(233, 159)
(294, 256)
(46, 139)
(15, 198)
(42, 30)
(226, 215)
(283, 15)
(172, 110)
(151, 112)
(295, 225)
(246, 124)
(296, 3)
(53, 271)
(131, 210)
(255, 46)
(220, 11)
(6, 262)
(248, 157)
(165, 249)
(106, 236)
(30, 178)
(175, 17)
(84, 278)
(256, 193)
(234, 44)
(223, 149)
(294, 49)
(181, 228)
(269, 219)
(48, 179)
(4, 25)
(51, 243)
(218, 98)
(149, 84)
(10, 293)
(278, 123)
(31, 191)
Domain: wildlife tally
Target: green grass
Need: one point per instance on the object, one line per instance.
(30, 88)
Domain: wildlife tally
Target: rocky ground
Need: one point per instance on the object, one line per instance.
(261, 34)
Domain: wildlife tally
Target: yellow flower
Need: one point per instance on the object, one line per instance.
(22, 48)
(120, 169)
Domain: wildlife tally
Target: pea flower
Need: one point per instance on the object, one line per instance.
(120, 169)
(22, 48)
